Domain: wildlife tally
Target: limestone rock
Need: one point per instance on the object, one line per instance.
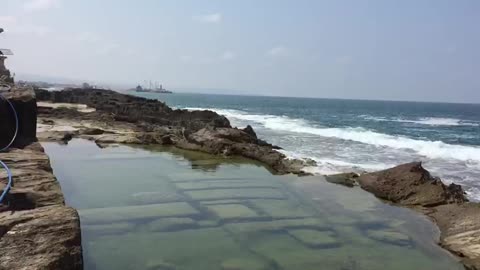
(410, 185)
(43, 238)
(345, 179)
(93, 131)
(249, 130)
(134, 109)
(153, 122)
(460, 230)
(34, 184)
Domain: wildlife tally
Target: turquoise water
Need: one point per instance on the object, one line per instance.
(163, 208)
(353, 135)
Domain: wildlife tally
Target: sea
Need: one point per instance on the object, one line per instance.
(358, 135)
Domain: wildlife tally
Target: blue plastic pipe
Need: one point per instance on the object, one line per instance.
(9, 173)
(9, 184)
(16, 124)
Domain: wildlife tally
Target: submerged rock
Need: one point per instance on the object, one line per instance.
(391, 237)
(108, 229)
(232, 211)
(169, 224)
(281, 208)
(126, 213)
(235, 193)
(245, 264)
(315, 238)
(160, 265)
(277, 225)
(155, 197)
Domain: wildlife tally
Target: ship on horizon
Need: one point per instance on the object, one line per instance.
(156, 88)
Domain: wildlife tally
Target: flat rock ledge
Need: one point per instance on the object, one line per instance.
(37, 230)
(108, 117)
(410, 185)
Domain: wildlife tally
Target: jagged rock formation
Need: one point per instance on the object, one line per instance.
(133, 109)
(37, 230)
(137, 120)
(411, 185)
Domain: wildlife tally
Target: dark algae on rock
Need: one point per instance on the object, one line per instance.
(146, 121)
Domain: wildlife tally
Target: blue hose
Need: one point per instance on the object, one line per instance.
(9, 173)
(9, 184)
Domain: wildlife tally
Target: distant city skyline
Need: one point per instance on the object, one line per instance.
(377, 50)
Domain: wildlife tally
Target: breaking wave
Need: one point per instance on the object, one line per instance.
(430, 149)
(430, 121)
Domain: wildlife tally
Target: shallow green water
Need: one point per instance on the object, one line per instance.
(165, 209)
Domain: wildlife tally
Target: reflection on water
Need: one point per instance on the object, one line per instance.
(165, 210)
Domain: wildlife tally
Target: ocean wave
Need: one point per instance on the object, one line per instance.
(430, 149)
(430, 121)
(332, 166)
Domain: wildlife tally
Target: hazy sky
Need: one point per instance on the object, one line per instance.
(398, 49)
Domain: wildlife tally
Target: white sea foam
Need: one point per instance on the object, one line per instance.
(331, 166)
(430, 121)
(430, 149)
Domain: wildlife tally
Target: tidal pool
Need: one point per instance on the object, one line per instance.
(166, 209)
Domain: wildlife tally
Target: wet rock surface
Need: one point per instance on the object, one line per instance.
(120, 118)
(42, 238)
(37, 230)
(412, 186)
(133, 109)
(345, 179)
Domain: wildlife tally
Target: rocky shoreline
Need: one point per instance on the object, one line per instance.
(113, 117)
(108, 117)
(37, 230)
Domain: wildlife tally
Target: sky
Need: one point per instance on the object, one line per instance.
(425, 50)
